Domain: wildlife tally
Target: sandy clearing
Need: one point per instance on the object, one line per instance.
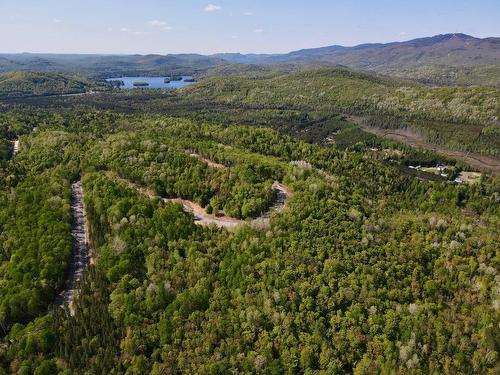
(470, 178)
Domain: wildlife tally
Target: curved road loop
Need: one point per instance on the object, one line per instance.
(199, 214)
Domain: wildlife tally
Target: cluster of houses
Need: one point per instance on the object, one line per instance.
(441, 170)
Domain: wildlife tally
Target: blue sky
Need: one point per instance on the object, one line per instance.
(271, 26)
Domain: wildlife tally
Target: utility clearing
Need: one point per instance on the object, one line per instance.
(481, 162)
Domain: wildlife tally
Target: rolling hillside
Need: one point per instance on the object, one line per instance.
(106, 65)
(353, 92)
(21, 84)
(465, 119)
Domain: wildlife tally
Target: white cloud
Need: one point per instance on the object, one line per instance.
(124, 30)
(403, 33)
(141, 33)
(157, 23)
(56, 20)
(160, 25)
(258, 31)
(249, 14)
(212, 8)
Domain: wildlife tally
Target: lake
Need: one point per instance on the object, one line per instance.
(153, 82)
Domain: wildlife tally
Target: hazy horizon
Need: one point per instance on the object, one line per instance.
(124, 27)
(229, 52)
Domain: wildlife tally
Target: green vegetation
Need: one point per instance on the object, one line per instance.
(460, 118)
(371, 267)
(160, 159)
(366, 270)
(309, 105)
(352, 92)
(21, 84)
(36, 246)
(475, 75)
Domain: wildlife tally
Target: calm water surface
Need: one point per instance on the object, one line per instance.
(154, 82)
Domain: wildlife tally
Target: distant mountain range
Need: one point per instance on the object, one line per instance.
(442, 59)
(448, 49)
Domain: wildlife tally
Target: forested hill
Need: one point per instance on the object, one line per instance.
(21, 84)
(354, 91)
(107, 65)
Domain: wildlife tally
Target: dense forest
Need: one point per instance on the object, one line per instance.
(460, 118)
(24, 84)
(366, 270)
(318, 104)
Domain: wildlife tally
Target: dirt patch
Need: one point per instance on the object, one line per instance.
(201, 217)
(470, 178)
(285, 190)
